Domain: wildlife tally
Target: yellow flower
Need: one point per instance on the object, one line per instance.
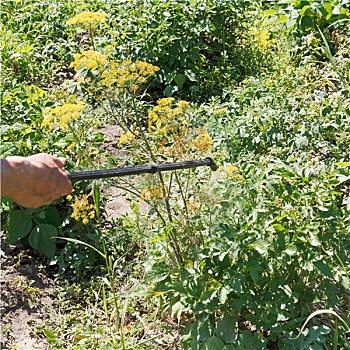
(133, 87)
(63, 115)
(183, 105)
(203, 142)
(165, 101)
(88, 18)
(229, 169)
(219, 111)
(192, 204)
(262, 37)
(113, 33)
(89, 59)
(126, 138)
(166, 116)
(127, 74)
(152, 192)
(83, 210)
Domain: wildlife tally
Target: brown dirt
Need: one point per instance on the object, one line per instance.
(117, 204)
(111, 136)
(26, 297)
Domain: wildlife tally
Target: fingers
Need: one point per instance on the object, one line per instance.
(66, 186)
(60, 162)
(48, 160)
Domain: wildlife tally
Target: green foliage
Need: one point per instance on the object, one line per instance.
(304, 15)
(238, 259)
(36, 40)
(20, 223)
(197, 44)
(304, 18)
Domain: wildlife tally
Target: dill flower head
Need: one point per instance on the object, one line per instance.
(202, 141)
(88, 18)
(127, 74)
(151, 193)
(183, 105)
(62, 115)
(89, 59)
(165, 101)
(127, 138)
(83, 210)
(167, 116)
(192, 205)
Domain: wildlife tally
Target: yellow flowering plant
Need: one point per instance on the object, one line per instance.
(71, 125)
(89, 60)
(82, 208)
(166, 130)
(62, 116)
(88, 20)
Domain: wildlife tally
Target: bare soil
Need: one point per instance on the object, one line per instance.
(26, 297)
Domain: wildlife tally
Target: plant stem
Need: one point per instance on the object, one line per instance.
(92, 37)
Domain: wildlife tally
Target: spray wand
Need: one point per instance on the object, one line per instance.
(135, 170)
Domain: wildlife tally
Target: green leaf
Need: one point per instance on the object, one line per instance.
(306, 22)
(48, 215)
(77, 241)
(213, 343)
(254, 274)
(7, 149)
(159, 272)
(282, 19)
(41, 238)
(342, 163)
(49, 333)
(176, 310)
(261, 246)
(223, 294)
(291, 250)
(226, 328)
(6, 203)
(170, 77)
(278, 227)
(200, 331)
(169, 90)
(180, 79)
(191, 75)
(323, 268)
(313, 240)
(18, 225)
(305, 10)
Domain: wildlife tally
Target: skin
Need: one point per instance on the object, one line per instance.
(35, 180)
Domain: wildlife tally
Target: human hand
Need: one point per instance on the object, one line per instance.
(35, 180)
